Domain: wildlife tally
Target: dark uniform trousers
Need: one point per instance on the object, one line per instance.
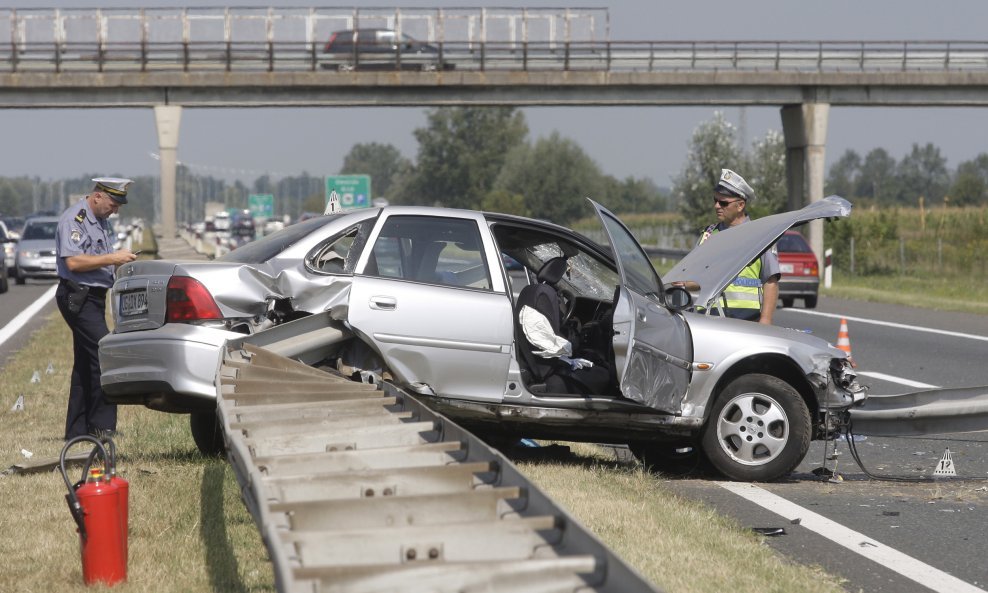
(88, 412)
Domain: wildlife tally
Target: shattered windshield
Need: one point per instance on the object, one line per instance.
(586, 276)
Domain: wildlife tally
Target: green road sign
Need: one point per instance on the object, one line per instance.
(354, 190)
(261, 205)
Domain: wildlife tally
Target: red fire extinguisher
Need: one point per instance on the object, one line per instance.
(100, 512)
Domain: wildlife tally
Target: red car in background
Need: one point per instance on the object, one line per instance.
(800, 270)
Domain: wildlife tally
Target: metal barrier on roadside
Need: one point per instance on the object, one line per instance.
(360, 487)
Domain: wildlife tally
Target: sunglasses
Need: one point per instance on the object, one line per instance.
(724, 203)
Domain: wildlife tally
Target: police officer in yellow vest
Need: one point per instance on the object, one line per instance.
(753, 294)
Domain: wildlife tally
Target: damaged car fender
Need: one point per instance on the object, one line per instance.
(798, 358)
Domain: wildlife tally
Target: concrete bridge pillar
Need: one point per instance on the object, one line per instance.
(805, 130)
(167, 118)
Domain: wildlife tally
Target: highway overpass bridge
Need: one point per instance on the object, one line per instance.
(167, 59)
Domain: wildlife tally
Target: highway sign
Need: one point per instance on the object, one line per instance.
(354, 190)
(261, 205)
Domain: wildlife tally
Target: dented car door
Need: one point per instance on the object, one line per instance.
(653, 350)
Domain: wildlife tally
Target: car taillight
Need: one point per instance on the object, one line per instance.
(188, 300)
(329, 43)
(814, 269)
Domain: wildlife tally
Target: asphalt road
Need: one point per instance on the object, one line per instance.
(938, 525)
(12, 303)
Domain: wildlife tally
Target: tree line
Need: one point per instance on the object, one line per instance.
(482, 158)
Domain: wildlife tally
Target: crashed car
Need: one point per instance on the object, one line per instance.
(421, 297)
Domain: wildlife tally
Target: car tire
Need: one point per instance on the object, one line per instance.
(670, 458)
(4, 284)
(758, 430)
(207, 434)
(787, 302)
(810, 302)
(19, 277)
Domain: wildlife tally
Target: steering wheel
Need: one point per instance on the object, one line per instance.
(568, 305)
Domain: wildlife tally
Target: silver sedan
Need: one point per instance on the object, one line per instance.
(422, 297)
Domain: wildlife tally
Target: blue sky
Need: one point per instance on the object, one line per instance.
(627, 141)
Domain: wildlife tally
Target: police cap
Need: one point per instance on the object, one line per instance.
(732, 184)
(116, 187)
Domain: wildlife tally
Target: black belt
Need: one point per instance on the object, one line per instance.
(97, 291)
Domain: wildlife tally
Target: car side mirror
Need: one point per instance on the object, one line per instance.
(678, 298)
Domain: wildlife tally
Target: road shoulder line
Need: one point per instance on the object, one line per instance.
(894, 560)
(24, 316)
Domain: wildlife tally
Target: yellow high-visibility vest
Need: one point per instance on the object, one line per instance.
(745, 291)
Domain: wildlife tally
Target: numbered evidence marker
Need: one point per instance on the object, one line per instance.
(36, 377)
(945, 467)
(18, 405)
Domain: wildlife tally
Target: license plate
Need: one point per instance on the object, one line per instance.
(786, 268)
(134, 303)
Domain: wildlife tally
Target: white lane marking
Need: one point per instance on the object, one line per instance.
(24, 316)
(900, 380)
(905, 565)
(929, 330)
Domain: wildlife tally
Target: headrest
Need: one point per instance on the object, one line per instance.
(552, 271)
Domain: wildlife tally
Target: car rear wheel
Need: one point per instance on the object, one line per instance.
(786, 302)
(19, 277)
(206, 433)
(758, 430)
(810, 302)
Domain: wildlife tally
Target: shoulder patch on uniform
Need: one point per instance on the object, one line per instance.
(81, 216)
(76, 236)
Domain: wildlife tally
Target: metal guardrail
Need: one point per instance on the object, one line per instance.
(609, 56)
(357, 487)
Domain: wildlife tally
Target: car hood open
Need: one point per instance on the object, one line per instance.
(715, 263)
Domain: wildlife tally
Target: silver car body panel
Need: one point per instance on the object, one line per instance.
(723, 342)
(715, 263)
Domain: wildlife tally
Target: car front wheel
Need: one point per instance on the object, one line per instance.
(759, 429)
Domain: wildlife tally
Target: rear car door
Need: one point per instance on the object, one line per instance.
(653, 349)
(429, 299)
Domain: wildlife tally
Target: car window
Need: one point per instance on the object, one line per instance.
(793, 244)
(639, 274)
(271, 245)
(433, 250)
(40, 230)
(339, 254)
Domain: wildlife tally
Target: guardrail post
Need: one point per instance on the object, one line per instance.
(905, 48)
(58, 58)
(270, 56)
(229, 55)
(312, 52)
(144, 55)
(185, 56)
(819, 57)
(651, 56)
(483, 55)
(946, 58)
(524, 55)
(566, 56)
(778, 55)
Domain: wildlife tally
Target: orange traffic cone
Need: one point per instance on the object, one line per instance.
(843, 340)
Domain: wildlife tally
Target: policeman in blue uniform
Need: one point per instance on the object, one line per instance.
(86, 262)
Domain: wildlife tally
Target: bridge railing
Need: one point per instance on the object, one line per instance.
(608, 56)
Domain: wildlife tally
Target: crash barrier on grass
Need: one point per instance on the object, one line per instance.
(360, 487)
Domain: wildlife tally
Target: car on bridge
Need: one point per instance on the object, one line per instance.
(380, 49)
(422, 297)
